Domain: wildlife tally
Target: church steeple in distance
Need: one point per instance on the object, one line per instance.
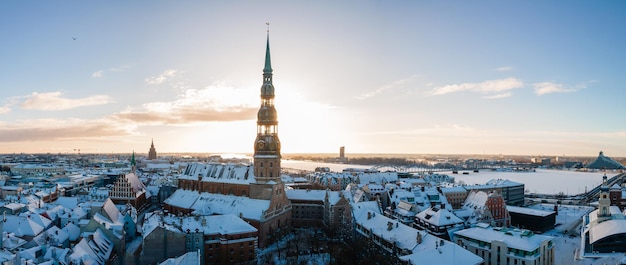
(267, 145)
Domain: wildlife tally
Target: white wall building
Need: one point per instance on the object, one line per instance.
(507, 246)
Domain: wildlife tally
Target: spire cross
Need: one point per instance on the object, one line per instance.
(268, 26)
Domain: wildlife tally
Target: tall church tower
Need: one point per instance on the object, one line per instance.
(267, 146)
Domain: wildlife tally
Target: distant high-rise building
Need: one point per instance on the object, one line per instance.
(342, 153)
(152, 154)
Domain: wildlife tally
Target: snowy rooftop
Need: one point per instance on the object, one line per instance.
(529, 211)
(439, 217)
(24, 226)
(513, 238)
(209, 225)
(607, 228)
(189, 258)
(218, 224)
(453, 189)
(218, 172)
(495, 183)
(377, 178)
(306, 195)
(444, 254)
(208, 203)
(390, 230)
(476, 200)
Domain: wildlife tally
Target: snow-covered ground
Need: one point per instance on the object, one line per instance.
(568, 245)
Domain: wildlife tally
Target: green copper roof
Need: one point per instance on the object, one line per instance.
(268, 62)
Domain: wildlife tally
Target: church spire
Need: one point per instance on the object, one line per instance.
(268, 62)
(132, 162)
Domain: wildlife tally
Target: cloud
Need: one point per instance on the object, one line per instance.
(4, 109)
(394, 85)
(97, 74)
(54, 101)
(551, 87)
(504, 68)
(159, 79)
(61, 129)
(487, 87)
(214, 103)
(100, 73)
(119, 68)
(498, 96)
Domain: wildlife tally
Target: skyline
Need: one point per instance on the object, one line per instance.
(421, 78)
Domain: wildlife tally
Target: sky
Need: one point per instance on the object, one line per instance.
(411, 77)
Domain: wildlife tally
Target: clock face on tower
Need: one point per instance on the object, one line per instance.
(261, 144)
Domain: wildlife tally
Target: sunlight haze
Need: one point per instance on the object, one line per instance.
(484, 77)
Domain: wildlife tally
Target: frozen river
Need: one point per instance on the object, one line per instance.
(541, 181)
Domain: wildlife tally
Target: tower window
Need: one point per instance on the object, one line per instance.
(271, 164)
(261, 164)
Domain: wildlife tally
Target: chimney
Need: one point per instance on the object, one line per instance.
(369, 215)
(389, 226)
(419, 238)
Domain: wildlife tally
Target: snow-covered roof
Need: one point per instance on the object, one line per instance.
(111, 211)
(390, 230)
(14, 206)
(56, 254)
(513, 238)
(208, 203)
(219, 224)
(335, 196)
(495, 183)
(529, 211)
(306, 195)
(67, 202)
(189, 258)
(476, 199)
(447, 253)
(218, 172)
(94, 250)
(183, 198)
(23, 226)
(53, 235)
(376, 177)
(438, 217)
(607, 228)
(453, 189)
(72, 231)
